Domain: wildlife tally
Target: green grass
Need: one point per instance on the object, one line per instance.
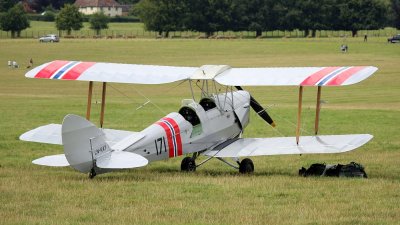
(215, 194)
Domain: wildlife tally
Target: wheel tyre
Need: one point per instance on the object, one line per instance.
(246, 166)
(188, 164)
(92, 174)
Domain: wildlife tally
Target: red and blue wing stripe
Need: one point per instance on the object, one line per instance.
(66, 70)
(341, 78)
(331, 76)
(50, 69)
(77, 70)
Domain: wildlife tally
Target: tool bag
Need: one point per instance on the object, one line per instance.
(349, 170)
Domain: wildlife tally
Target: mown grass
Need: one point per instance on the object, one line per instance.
(215, 194)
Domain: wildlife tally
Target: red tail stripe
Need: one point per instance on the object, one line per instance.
(342, 77)
(317, 76)
(77, 70)
(177, 134)
(169, 138)
(50, 69)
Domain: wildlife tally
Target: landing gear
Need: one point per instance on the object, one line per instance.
(92, 173)
(188, 164)
(246, 166)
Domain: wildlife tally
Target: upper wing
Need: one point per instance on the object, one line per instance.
(223, 74)
(295, 76)
(110, 72)
(287, 145)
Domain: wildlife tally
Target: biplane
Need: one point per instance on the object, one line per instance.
(210, 127)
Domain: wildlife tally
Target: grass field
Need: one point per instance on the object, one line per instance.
(215, 194)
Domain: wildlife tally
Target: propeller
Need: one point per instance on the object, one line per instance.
(259, 109)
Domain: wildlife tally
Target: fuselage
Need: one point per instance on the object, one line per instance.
(197, 126)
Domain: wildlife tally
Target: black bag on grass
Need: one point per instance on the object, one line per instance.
(352, 170)
(316, 169)
(349, 170)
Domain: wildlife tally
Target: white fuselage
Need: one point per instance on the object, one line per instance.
(197, 126)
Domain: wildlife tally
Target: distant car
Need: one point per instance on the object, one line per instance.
(394, 39)
(49, 38)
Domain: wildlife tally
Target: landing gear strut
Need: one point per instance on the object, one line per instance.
(188, 164)
(92, 173)
(246, 166)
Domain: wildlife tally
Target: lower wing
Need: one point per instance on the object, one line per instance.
(287, 145)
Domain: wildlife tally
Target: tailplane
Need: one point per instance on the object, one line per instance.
(86, 150)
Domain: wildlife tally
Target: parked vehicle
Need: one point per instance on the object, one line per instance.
(394, 39)
(49, 38)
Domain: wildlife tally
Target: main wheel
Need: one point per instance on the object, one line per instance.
(188, 164)
(92, 173)
(246, 166)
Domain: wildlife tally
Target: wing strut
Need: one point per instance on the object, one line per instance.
(103, 103)
(318, 109)
(89, 102)
(299, 115)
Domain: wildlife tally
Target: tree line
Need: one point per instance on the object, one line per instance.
(42, 5)
(69, 18)
(210, 16)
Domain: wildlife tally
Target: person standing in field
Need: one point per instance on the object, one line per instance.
(30, 63)
(365, 37)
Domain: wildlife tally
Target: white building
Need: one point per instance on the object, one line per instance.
(108, 7)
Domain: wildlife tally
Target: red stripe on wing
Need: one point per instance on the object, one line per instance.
(169, 138)
(342, 77)
(317, 76)
(177, 134)
(77, 70)
(50, 69)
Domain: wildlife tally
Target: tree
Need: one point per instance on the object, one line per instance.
(208, 16)
(69, 19)
(357, 15)
(5, 5)
(396, 13)
(314, 15)
(257, 12)
(162, 16)
(14, 20)
(41, 5)
(98, 21)
(239, 18)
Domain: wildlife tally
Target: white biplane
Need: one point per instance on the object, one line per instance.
(212, 127)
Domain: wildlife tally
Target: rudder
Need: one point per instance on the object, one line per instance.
(86, 149)
(83, 143)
